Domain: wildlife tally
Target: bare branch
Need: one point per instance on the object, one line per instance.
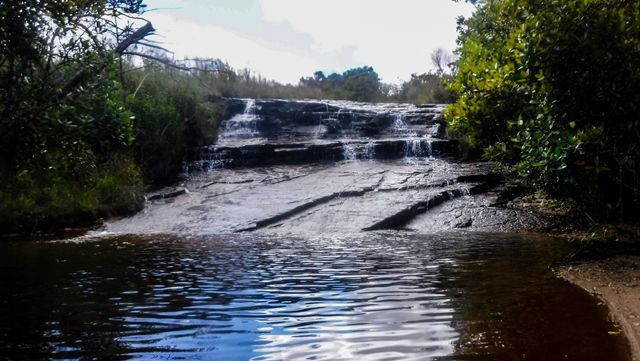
(132, 17)
(166, 62)
(155, 47)
(140, 84)
(82, 74)
(137, 35)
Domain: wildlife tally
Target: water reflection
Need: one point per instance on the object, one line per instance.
(374, 297)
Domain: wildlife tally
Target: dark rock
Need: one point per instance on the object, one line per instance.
(166, 195)
(464, 224)
(283, 119)
(300, 153)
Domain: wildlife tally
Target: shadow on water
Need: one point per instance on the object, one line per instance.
(370, 297)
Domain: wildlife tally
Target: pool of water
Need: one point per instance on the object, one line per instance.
(378, 296)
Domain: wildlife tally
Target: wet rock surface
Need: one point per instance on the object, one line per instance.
(278, 170)
(295, 120)
(422, 196)
(275, 132)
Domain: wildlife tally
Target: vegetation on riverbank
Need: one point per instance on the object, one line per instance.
(172, 111)
(552, 88)
(78, 130)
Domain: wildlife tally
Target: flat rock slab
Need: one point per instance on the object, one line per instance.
(331, 198)
(478, 213)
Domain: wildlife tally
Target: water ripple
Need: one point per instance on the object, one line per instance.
(367, 298)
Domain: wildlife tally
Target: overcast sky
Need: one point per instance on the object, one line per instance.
(287, 39)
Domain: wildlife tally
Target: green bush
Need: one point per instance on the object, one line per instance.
(171, 114)
(424, 89)
(60, 195)
(553, 87)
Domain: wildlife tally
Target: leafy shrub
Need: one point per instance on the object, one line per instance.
(171, 114)
(553, 87)
(59, 196)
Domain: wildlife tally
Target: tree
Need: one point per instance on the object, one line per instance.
(361, 84)
(553, 88)
(64, 133)
(442, 60)
(425, 88)
(54, 57)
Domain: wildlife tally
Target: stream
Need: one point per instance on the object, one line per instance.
(311, 231)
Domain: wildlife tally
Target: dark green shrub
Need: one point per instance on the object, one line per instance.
(553, 87)
(171, 114)
(61, 195)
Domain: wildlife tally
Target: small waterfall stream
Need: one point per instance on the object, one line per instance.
(312, 230)
(293, 132)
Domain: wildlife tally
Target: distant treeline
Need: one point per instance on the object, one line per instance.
(357, 84)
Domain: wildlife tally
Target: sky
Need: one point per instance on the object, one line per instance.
(284, 40)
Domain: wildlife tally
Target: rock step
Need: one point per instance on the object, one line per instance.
(487, 180)
(304, 207)
(402, 218)
(213, 157)
(270, 118)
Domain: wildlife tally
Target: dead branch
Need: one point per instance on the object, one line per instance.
(80, 76)
(166, 62)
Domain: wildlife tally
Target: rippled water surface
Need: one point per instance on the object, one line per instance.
(374, 297)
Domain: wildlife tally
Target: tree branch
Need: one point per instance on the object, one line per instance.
(154, 46)
(166, 62)
(82, 74)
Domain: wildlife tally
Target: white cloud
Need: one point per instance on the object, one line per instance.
(190, 39)
(287, 39)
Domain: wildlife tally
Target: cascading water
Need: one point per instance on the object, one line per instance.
(293, 132)
(209, 159)
(242, 125)
(359, 151)
(418, 148)
(349, 152)
(399, 124)
(370, 150)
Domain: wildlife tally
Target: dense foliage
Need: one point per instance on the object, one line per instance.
(359, 84)
(553, 87)
(63, 125)
(172, 112)
(425, 88)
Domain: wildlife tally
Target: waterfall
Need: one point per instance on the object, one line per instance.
(417, 148)
(209, 158)
(248, 108)
(355, 151)
(241, 125)
(349, 151)
(399, 125)
(369, 151)
(292, 131)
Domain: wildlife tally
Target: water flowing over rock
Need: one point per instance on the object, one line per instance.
(270, 132)
(331, 167)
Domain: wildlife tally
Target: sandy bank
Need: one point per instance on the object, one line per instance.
(616, 281)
